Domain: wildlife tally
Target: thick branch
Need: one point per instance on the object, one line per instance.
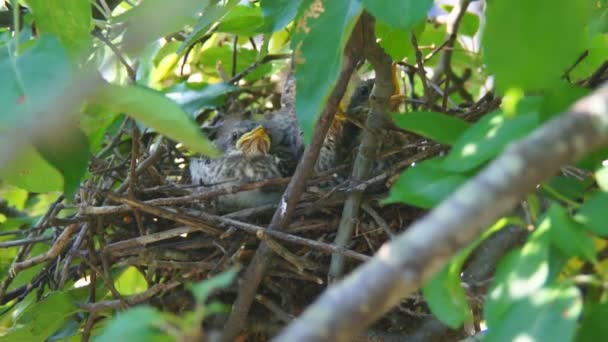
(380, 105)
(403, 265)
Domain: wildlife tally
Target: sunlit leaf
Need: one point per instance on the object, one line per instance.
(243, 20)
(519, 274)
(548, 314)
(131, 282)
(322, 31)
(543, 38)
(487, 138)
(32, 172)
(155, 110)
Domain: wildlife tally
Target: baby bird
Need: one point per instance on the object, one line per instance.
(247, 159)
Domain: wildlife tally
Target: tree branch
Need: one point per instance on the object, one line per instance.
(255, 271)
(403, 265)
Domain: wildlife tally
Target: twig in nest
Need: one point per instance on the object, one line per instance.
(52, 253)
(130, 301)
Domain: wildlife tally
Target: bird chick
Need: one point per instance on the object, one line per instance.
(246, 146)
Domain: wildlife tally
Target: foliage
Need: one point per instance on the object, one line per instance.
(177, 63)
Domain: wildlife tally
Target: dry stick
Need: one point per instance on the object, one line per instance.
(380, 105)
(453, 23)
(133, 176)
(135, 299)
(201, 223)
(420, 69)
(28, 241)
(68, 259)
(403, 265)
(55, 250)
(255, 271)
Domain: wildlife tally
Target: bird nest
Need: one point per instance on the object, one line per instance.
(139, 209)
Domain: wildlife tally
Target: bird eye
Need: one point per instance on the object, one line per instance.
(235, 136)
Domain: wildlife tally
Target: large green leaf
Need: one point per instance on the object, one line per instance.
(38, 321)
(403, 14)
(568, 236)
(322, 31)
(139, 324)
(593, 325)
(559, 98)
(194, 97)
(444, 292)
(31, 80)
(278, 13)
(529, 44)
(440, 127)
(70, 155)
(167, 19)
(548, 314)
(593, 214)
(519, 274)
(32, 172)
(243, 20)
(69, 20)
(425, 184)
(158, 112)
(397, 42)
(487, 138)
(597, 49)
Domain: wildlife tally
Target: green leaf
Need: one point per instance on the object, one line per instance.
(403, 14)
(68, 20)
(40, 320)
(31, 81)
(549, 314)
(487, 138)
(593, 326)
(69, 155)
(195, 97)
(210, 15)
(440, 127)
(593, 214)
(558, 99)
(319, 41)
(567, 235)
(166, 19)
(131, 282)
(425, 184)
(444, 292)
(278, 13)
(519, 274)
(155, 110)
(469, 24)
(203, 289)
(139, 324)
(32, 172)
(243, 20)
(543, 38)
(210, 57)
(565, 188)
(601, 177)
(598, 50)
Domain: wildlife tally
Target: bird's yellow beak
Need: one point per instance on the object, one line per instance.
(254, 141)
